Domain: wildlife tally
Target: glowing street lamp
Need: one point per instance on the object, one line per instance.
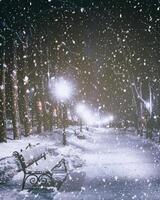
(106, 120)
(80, 109)
(63, 92)
(149, 107)
(91, 118)
(85, 115)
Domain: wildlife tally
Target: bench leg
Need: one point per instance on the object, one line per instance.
(23, 182)
(59, 184)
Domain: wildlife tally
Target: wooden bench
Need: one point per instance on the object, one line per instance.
(39, 179)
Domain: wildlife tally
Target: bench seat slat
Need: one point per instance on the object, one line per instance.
(33, 155)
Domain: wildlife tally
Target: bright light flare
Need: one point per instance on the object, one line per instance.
(106, 120)
(85, 114)
(80, 108)
(147, 104)
(90, 117)
(61, 88)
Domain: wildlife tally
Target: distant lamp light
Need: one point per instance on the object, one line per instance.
(155, 117)
(106, 120)
(148, 105)
(39, 105)
(84, 113)
(111, 118)
(80, 108)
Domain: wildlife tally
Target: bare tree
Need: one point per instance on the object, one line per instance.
(27, 118)
(14, 94)
(2, 95)
(138, 92)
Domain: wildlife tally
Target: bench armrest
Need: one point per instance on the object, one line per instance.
(60, 164)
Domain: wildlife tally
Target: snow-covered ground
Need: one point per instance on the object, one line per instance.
(107, 164)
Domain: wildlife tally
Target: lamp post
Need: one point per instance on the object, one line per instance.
(80, 125)
(64, 117)
(80, 109)
(84, 115)
(63, 91)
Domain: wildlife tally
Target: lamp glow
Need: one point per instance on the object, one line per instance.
(84, 113)
(147, 105)
(91, 118)
(63, 89)
(80, 108)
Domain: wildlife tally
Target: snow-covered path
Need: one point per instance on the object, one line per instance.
(118, 166)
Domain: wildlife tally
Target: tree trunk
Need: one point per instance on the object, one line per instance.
(43, 99)
(41, 109)
(38, 101)
(40, 92)
(27, 121)
(2, 104)
(64, 110)
(38, 113)
(14, 94)
(135, 103)
(42, 86)
(150, 99)
(140, 111)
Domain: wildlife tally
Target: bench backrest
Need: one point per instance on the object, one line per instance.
(29, 156)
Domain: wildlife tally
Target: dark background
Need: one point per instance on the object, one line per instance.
(99, 45)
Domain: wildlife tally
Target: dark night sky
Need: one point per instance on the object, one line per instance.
(96, 43)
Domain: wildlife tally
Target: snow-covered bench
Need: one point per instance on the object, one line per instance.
(33, 178)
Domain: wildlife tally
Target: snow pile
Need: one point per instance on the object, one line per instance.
(32, 153)
(72, 155)
(77, 161)
(8, 168)
(104, 164)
